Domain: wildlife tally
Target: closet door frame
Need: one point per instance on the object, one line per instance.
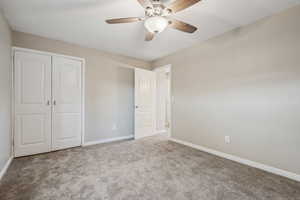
(19, 49)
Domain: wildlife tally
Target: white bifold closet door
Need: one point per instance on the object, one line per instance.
(48, 103)
(32, 103)
(66, 89)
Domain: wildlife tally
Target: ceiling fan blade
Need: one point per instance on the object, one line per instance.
(149, 36)
(182, 26)
(179, 5)
(124, 20)
(145, 3)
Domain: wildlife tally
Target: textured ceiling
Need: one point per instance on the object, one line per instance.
(82, 22)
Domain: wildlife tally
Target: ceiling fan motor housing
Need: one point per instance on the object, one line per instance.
(157, 9)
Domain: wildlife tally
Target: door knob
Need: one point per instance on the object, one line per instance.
(54, 102)
(136, 107)
(48, 103)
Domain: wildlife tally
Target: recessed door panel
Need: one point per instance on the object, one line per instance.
(34, 125)
(67, 130)
(32, 103)
(32, 135)
(67, 100)
(32, 87)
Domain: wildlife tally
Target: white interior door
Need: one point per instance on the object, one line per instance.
(67, 103)
(145, 91)
(32, 82)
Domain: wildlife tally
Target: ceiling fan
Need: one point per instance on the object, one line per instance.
(158, 17)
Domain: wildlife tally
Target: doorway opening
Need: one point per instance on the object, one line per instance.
(163, 100)
(153, 102)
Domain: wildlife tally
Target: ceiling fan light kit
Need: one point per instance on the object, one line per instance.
(156, 24)
(158, 17)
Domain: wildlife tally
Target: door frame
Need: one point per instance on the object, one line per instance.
(169, 67)
(82, 60)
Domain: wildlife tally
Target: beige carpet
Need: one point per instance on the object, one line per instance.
(147, 169)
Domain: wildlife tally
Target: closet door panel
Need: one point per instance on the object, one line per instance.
(32, 83)
(67, 100)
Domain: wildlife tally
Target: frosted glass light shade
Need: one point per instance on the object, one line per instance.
(156, 24)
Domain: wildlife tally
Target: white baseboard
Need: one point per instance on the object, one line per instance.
(250, 163)
(108, 140)
(145, 136)
(5, 168)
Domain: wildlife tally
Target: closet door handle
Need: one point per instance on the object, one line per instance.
(48, 103)
(54, 102)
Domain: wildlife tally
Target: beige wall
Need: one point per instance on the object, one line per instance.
(109, 86)
(245, 84)
(5, 115)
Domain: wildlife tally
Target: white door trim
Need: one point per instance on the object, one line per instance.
(47, 53)
(15, 49)
(12, 106)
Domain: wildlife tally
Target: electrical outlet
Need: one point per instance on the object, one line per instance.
(227, 139)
